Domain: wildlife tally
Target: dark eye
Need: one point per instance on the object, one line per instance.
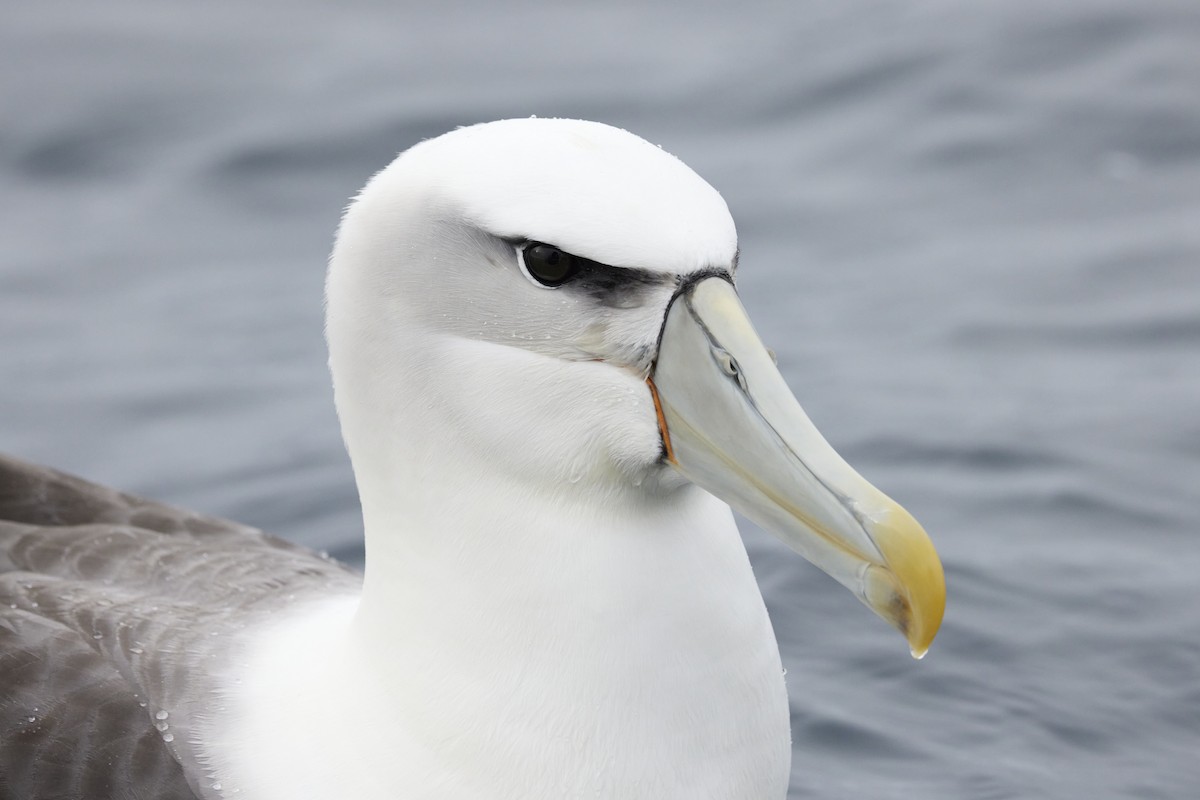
(548, 265)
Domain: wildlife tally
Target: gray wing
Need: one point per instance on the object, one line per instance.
(115, 612)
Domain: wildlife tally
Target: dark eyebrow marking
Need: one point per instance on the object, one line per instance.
(619, 287)
(622, 287)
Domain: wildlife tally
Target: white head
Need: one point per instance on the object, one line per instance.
(454, 366)
(440, 339)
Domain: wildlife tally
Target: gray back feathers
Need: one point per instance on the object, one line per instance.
(117, 614)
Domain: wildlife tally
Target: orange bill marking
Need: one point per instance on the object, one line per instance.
(662, 422)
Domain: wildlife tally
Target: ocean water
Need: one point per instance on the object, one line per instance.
(971, 231)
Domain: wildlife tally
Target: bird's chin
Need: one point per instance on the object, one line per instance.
(671, 479)
(658, 480)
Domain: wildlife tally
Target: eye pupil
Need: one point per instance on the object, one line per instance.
(548, 265)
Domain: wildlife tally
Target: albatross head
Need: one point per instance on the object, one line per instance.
(548, 306)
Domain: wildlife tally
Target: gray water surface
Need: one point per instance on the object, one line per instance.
(971, 231)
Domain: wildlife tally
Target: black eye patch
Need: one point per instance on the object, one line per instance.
(619, 287)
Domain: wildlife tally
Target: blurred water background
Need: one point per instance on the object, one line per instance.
(970, 230)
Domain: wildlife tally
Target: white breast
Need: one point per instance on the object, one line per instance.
(668, 686)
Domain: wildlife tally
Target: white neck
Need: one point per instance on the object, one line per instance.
(612, 643)
(623, 652)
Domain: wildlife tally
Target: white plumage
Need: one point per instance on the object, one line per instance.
(552, 606)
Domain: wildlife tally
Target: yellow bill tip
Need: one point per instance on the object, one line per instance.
(909, 589)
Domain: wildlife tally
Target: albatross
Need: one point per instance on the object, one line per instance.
(551, 397)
